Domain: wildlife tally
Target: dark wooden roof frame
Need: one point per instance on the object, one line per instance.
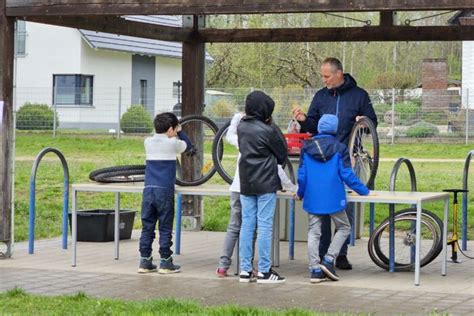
(198, 7)
(103, 16)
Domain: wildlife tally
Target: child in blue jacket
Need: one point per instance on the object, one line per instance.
(324, 169)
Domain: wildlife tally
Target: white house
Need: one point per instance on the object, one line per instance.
(86, 75)
(466, 17)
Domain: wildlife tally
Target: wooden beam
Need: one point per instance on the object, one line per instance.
(193, 77)
(128, 7)
(387, 18)
(116, 25)
(6, 124)
(340, 34)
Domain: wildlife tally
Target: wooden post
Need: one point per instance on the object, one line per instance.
(6, 125)
(193, 61)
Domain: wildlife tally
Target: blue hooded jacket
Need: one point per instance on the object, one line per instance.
(324, 169)
(346, 102)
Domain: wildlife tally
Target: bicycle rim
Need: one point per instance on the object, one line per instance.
(196, 168)
(405, 239)
(364, 150)
(224, 155)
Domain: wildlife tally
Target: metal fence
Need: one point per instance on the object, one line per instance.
(403, 115)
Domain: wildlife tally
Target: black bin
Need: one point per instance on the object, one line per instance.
(98, 225)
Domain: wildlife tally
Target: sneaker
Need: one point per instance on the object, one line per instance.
(328, 269)
(246, 277)
(167, 266)
(342, 263)
(221, 272)
(269, 277)
(317, 276)
(146, 265)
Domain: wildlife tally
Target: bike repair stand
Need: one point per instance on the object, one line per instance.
(453, 241)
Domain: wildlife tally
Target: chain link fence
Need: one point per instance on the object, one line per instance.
(410, 115)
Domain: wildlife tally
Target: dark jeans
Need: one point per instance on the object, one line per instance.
(326, 235)
(157, 206)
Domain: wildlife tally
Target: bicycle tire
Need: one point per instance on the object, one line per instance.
(429, 219)
(119, 174)
(212, 169)
(218, 154)
(364, 159)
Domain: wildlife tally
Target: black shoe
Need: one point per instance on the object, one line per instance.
(167, 266)
(328, 269)
(269, 277)
(342, 263)
(247, 277)
(146, 265)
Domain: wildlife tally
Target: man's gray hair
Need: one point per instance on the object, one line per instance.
(334, 62)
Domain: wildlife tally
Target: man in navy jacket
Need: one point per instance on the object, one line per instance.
(343, 98)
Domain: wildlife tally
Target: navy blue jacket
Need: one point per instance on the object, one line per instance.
(324, 168)
(353, 101)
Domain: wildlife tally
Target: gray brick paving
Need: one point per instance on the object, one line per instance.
(366, 289)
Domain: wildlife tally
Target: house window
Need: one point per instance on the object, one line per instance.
(143, 92)
(177, 89)
(20, 38)
(72, 89)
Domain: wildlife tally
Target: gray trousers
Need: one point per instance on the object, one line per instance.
(343, 230)
(233, 231)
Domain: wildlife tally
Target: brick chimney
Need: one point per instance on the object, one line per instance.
(434, 80)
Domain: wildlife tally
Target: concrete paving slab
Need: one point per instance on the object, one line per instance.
(365, 289)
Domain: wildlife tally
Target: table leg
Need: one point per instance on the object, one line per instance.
(291, 239)
(418, 243)
(444, 238)
(177, 246)
(74, 227)
(117, 225)
(391, 238)
(352, 236)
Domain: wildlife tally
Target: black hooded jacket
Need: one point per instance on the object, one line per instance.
(261, 147)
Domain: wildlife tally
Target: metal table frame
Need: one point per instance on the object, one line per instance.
(386, 197)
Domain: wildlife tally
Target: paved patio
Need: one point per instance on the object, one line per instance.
(366, 288)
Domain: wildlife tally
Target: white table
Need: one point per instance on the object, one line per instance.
(387, 197)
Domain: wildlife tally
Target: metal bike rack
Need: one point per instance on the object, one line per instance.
(393, 180)
(31, 241)
(464, 199)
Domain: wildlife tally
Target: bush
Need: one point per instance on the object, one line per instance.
(422, 129)
(222, 108)
(35, 116)
(136, 120)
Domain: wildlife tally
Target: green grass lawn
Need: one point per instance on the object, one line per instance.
(86, 153)
(17, 302)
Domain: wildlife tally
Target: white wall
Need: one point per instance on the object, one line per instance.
(111, 70)
(168, 70)
(49, 50)
(468, 73)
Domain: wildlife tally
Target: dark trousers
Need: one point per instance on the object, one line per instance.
(326, 234)
(157, 206)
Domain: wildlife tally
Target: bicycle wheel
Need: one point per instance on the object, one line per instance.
(364, 150)
(196, 167)
(405, 240)
(224, 155)
(119, 174)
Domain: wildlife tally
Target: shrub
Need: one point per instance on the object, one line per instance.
(222, 108)
(407, 111)
(35, 116)
(422, 129)
(136, 120)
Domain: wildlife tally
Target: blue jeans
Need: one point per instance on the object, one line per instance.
(157, 206)
(326, 234)
(257, 211)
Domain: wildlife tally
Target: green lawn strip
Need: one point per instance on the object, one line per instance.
(89, 153)
(16, 301)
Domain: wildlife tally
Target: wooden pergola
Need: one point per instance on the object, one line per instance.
(104, 16)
